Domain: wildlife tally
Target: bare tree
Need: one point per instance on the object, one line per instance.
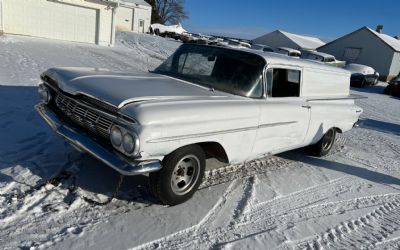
(171, 11)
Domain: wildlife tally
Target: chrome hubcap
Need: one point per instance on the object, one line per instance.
(185, 175)
(327, 141)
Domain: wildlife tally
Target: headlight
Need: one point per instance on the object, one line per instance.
(44, 93)
(124, 141)
(128, 143)
(116, 136)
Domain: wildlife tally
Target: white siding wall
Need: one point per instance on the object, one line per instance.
(1, 16)
(124, 18)
(395, 69)
(71, 20)
(128, 18)
(142, 14)
(374, 52)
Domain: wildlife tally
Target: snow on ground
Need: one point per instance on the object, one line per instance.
(52, 196)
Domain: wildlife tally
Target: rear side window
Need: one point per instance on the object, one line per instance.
(283, 82)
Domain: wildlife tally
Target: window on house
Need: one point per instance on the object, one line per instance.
(141, 23)
(351, 54)
(283, 82)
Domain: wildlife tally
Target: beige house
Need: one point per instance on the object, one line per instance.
(369, 47)
(133, 15)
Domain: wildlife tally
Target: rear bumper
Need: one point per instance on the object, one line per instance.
(359, 79)
(80, 140)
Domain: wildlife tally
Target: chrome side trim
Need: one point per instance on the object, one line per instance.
(190, 136)
(117, 76)
(86, 144)
(163, 98)
(333, 98)
(276, 124)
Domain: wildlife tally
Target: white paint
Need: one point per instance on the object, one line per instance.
(1, 16)
(130, 17)
(70, 20)
(124, 18)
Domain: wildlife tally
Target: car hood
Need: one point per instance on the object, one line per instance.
(119, 89)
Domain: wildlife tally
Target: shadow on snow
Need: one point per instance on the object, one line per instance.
(29, 146)
(341, 167)
(385, 127)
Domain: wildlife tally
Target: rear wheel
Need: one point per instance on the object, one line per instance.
(180, 176)
(388, 90)
(323, 146)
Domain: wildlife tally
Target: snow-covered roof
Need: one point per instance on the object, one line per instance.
(391, 41)
(302, 42)
(136, 2)
(308, 42)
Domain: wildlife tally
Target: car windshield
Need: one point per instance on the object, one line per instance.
(231, 71)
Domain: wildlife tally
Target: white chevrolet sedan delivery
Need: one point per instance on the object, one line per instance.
(204, 101)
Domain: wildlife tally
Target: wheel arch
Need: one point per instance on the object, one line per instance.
(214, 149)
(211, 149)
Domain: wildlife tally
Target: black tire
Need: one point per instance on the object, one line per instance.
(363, 83)
(388, 90)
(325, 144)
(180, 176)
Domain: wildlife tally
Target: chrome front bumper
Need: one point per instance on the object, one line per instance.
(86, 144)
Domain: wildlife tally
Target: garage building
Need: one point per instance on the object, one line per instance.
(87, 21)
(369, 47)
(133, 15)
(280, 38)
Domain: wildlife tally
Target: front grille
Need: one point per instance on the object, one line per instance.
(83, 116)
(96, 103)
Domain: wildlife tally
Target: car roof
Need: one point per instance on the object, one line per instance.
(276, 58)
(314, 52)
(290, 49)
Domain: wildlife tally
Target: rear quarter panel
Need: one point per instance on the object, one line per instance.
(341, 114)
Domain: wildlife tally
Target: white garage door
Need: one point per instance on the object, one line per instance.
(50, 19)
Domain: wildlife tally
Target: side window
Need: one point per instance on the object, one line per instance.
(283, 82)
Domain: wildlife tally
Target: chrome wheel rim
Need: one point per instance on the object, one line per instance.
(185, 174)
(327, 141)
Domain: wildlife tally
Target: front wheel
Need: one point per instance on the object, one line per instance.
(180, 176)
(323, 146)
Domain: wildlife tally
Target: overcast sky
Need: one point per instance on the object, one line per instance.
(323, 18)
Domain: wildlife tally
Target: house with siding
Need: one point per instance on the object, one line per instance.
(86, 21)
(133, 15)
(369, 47)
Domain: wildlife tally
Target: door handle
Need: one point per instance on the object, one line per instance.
(306, 106)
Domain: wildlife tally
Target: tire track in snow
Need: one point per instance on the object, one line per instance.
(285, 220)
(240, 171)
(367, 230)
(259, 166)
(302, 198)
(253, 222)
(388, 244)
